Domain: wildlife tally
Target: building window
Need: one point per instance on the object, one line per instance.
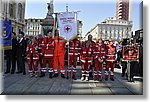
(11, 10)
(20, 11)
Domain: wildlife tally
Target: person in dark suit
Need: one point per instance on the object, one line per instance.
(8, 58)
(21, 53)
(14, 52)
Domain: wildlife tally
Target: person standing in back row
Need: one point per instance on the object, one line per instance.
(21, 54)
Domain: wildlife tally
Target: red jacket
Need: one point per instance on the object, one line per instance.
(32, 51)
(111, 53)
(48, 48)
(59, 46)
(99, 51)
(86, 54)
(131, 53)
(74, 47)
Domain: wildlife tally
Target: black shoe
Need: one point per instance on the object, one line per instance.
(24, 73)
(112, 79)
(50, 75)
(12, 72)
(63, 75)
(56, 75)
(74, 78)
(42, 74)
(7, 72)
(18, 72)
(95, 79)
(67, 77)
(122, 75)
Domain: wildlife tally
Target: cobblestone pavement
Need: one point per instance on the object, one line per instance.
(23, 84)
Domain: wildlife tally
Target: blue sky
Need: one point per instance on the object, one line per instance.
(90, 13)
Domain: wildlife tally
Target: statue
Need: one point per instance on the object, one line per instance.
(50, 8)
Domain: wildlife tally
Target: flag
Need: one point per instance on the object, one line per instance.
(6, 34)
(55, 22)
(67, 25)
(55, 27)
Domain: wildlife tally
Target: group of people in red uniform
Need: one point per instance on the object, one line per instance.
(51, 50)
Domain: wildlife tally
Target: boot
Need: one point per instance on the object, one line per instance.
(51, 75)
(56, 75)
(87, 78)
(100, 78)
(42, 74)
(95, 77)
(36, 74)
(62, 75)
(112, 79)
(68, 74)
(31, 75)
(74, 77)
(82, 78)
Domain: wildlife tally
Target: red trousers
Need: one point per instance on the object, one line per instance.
(72, 65)
(33, 66)
(98, 69)
(110, 65)
(50, 62)
(86, 64)
(59, 60)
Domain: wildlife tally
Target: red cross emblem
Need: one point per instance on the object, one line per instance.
(67, 28)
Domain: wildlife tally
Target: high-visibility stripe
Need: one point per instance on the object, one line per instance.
(84, 52)
(111, 73)
(110, 60)
(90, 61)
(30, 71)
(103, 52)
(62, 71)
(48, 54)
(110, 55)
(50, 70)
(87, 71)
(82, 60)
(35, 58)
(96, 52)
(106, 73)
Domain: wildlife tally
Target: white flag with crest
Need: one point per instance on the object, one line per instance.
(67, 25)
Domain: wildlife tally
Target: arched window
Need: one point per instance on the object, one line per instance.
(11, 10)
(20, 11)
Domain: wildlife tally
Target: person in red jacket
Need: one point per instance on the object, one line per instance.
(40, 46)
(99, 57)
(74, 47)
(110, 60)
(32, 57)
(59, 54)
(48, 55)
(86, 60)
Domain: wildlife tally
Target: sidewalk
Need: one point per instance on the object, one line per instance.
(23, 84)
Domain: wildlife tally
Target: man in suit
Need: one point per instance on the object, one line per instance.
(14, 52)
(21, 53)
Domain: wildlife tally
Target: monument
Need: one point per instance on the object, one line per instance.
(48, 22)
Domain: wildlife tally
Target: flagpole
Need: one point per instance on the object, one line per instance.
(68, 49)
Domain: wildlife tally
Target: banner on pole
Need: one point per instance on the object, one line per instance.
(67, 25)
(6, 34)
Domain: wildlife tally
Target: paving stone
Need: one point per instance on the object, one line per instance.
(60, 86)
(101, 91)
(121, 91)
